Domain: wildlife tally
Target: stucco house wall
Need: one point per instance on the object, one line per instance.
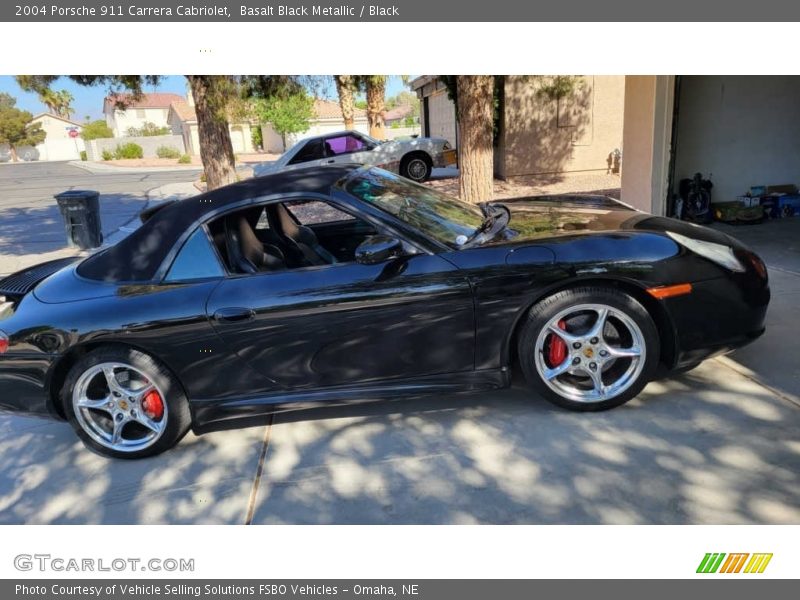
(541, 134)
(120, 121)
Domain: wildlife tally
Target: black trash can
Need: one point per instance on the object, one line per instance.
(81, 212)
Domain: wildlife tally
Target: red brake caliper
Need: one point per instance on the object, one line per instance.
(557, 348)
(153, 405)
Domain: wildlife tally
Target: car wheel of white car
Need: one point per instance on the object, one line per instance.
(416, 167)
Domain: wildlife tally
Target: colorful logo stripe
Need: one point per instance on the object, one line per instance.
(713, 562)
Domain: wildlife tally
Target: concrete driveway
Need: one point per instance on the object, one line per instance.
(716, 445)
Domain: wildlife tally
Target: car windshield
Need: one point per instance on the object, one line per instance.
(438, 215)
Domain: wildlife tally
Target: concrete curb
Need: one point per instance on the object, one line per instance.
(97, 168)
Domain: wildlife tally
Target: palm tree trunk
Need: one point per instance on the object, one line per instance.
(216, 149)
(376, 97)
(476, 151)
(13, 152)
(345, 87)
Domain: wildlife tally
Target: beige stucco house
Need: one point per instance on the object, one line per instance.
(150, 108)
(540, 132)
(63, 141)
(182, 120)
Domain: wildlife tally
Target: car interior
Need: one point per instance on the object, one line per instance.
(287, 235)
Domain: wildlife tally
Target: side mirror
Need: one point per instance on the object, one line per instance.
(377, 249)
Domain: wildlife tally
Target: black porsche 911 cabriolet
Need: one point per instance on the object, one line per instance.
(347, 283)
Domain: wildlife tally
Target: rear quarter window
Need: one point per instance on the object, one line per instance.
(196, 260)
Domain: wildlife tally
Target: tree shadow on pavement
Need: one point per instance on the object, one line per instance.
(26, 231)
(695, 449)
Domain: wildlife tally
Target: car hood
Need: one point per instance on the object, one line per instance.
(557, 216)
(541, 218)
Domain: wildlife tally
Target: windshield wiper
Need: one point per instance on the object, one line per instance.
(492, 212)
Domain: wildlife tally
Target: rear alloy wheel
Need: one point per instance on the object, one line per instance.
(589, 349)
(124, 404)
(416, 167)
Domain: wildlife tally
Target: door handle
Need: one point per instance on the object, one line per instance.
(331, 161)
(234, 315)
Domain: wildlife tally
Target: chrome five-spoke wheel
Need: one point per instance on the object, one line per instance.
(590, 352)
(589, 348)
(119, 407)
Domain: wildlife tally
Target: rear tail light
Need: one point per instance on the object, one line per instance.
(3, 343)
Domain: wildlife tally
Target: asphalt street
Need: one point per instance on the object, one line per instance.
(30, 223)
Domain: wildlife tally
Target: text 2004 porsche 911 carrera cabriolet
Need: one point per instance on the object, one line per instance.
(346, 283)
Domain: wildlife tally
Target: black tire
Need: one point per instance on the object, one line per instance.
(549, 308)
(177, 414)
(411, 167)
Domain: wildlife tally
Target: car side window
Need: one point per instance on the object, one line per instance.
(287, 234)
(315, 212)
(344, 144)
(311, 151)
(195, 260)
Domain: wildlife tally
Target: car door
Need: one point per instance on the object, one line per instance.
(349, 323)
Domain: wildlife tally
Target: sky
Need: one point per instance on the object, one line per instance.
(89, 100)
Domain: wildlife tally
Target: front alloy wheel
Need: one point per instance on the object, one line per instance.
(589, 348)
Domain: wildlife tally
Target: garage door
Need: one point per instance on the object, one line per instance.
(442, 115)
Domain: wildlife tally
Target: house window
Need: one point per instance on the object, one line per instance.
(140, 114)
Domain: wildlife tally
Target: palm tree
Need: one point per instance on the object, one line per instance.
(49, 98)
(57, 103)
(475, 107)
(346, 87)
(64, 104)
(375, 86)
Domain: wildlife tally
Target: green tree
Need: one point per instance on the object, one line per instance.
(286, 113)
(96, 130)
(7, 101)
(16, 128)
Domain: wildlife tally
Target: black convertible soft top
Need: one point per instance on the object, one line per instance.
(137, 257)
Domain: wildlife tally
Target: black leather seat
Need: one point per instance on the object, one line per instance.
(299, 240)
(246, 252)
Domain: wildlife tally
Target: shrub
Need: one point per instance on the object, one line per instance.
(108, 155)
(129, 150)
(203, 177)
(83, 156)
(148, 129)
(185, 159)
(96, 130)
(167, 152)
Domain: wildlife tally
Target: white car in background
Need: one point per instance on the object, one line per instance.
(413, 158)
